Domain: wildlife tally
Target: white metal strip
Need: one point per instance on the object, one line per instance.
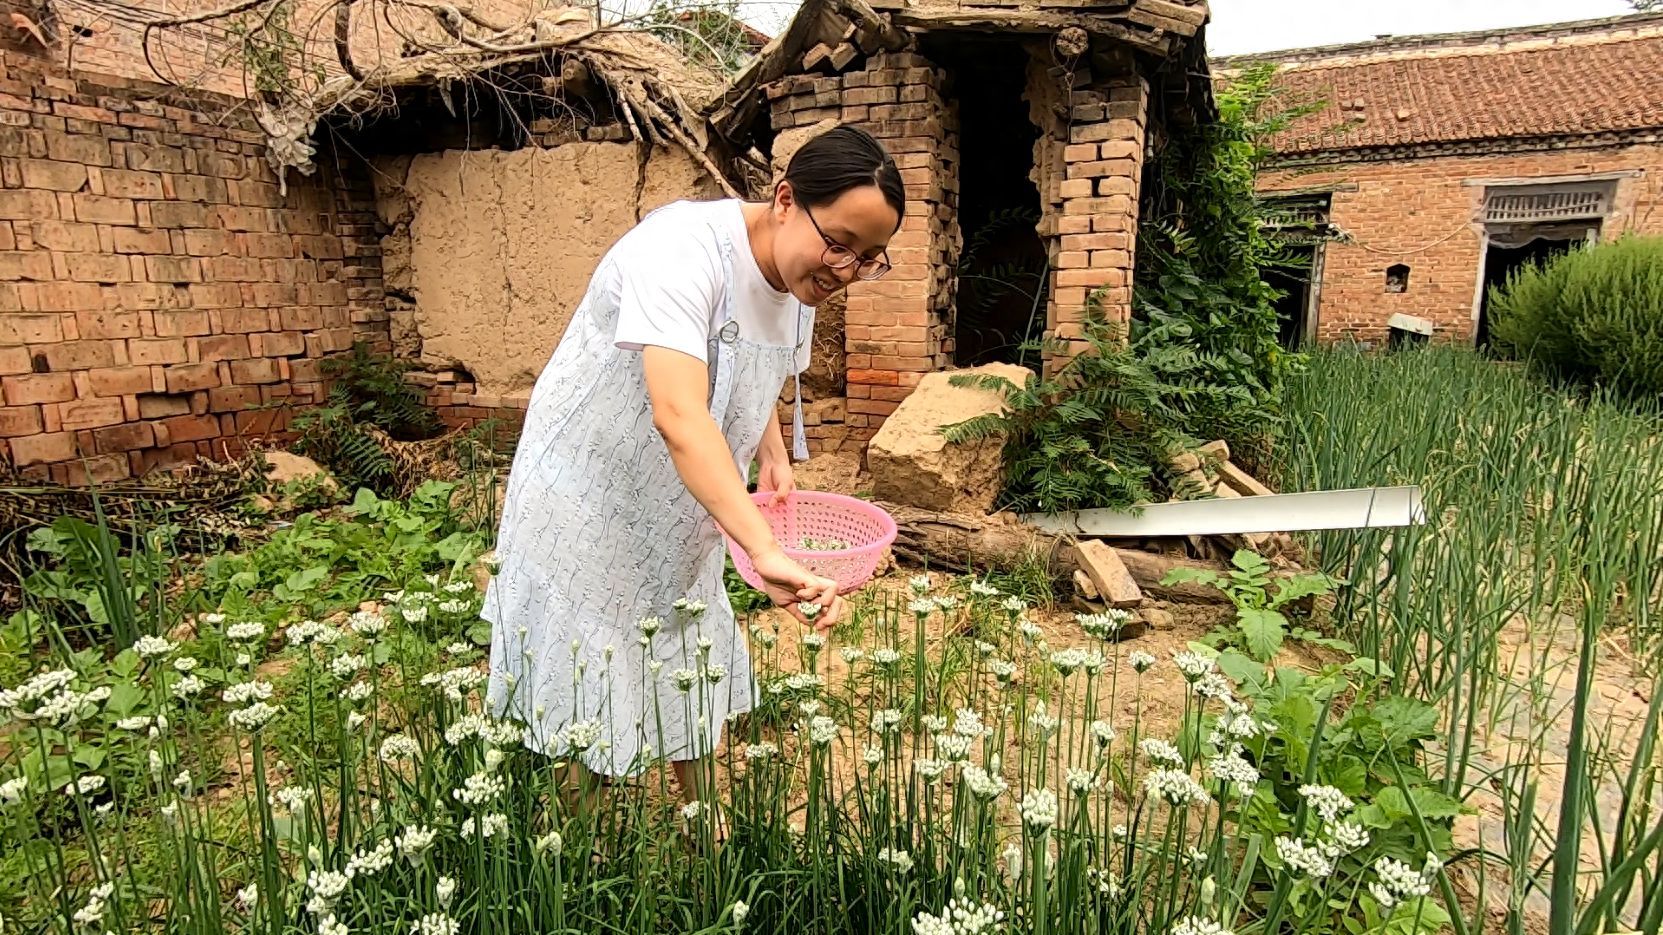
(1366, 507)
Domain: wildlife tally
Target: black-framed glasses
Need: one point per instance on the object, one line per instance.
(838, 256)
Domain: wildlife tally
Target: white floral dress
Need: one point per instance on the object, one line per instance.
(599, 531)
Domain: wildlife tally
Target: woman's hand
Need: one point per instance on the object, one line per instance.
(789, 584)
(774, 475)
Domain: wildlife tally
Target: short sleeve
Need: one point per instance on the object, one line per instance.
(667, 289)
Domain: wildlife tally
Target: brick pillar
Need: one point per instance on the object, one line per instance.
(1097, 226)
(897, 329)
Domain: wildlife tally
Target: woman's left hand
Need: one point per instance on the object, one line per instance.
(774, 475)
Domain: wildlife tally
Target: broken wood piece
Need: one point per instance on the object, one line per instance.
(820, 53)
(1102, 565)
(1242, 482)
(1218, 450)
(1082, 583)
(843, 55)
(1149, 570)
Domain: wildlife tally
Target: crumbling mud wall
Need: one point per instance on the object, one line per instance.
(487, 253)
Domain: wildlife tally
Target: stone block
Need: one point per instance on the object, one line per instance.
(912, 462)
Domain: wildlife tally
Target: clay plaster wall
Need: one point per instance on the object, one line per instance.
(489, 252)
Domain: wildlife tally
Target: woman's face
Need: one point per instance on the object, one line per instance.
(859, 221)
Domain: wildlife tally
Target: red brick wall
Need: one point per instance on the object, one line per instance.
(896, 329)
(1418, 212)
(155, 285)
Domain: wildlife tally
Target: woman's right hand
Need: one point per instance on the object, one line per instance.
(787, 584)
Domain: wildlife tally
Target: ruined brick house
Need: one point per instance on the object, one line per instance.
(1438, 164)
(167, 291)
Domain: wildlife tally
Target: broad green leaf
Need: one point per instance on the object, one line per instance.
(306, 578)
(1249, 561)
(1405, 719)
(1347, 774)
(1298, 586)
(1240, 669)
(125, 697)
(1262, 630)
(245, 580)
(90, 757)
(1188, 575)
(1434, 804)
(1373, 667)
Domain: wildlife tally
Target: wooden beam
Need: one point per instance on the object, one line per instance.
(1195, 16)
(843, 55)
(1143, 17)
(1030, 22)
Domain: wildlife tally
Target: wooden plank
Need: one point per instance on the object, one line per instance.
(1216, 450)
(1242, 482)
(1143, 17)
(1196, 16)
(1108, 574)
(1031, 23)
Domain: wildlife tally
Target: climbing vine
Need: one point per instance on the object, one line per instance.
(1203, 249)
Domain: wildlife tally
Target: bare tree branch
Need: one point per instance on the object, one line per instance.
(343, 39)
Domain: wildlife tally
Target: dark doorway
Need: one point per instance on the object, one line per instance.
(1501, 261)
(1293, 276)
(1002, 267)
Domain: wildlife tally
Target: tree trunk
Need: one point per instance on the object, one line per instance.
(958, 542)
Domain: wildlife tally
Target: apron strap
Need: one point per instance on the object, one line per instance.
(799, 438)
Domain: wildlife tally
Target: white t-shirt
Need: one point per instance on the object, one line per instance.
(672, 281)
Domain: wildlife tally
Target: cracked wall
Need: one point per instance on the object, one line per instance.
(488, 252)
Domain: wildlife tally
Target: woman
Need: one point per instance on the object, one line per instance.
(638, 436)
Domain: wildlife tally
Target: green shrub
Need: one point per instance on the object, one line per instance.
(1592, 314)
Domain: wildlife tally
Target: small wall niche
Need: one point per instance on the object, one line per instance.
(1397, 277)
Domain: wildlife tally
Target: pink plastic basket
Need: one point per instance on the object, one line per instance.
(807, 514)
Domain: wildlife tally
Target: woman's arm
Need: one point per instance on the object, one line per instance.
(678, 385)
(772, 463)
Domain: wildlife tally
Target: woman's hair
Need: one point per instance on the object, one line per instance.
(842, 158)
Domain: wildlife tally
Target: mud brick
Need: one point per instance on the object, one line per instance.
(268, 245)
(53, 176)
(124, 437)
(14, 360)
(320, 246)
(1076, 188)
(30, 329)
(240, 320)
(160, 406)
(99, 469)
(232, 269)
(65, 236)
(255, 370)
(155, 158)
(33, 265)
(91, 413)
(191, 428)
(179, 214)
(98, 267)
(120, 381)
(124, 183)
(210, 242)
(1079, 152)
(185, 378)
(76, 355)
(162, 351)
(98, 209)
(234, 218)
(19, 420)
(27, 204)
(1111, 258)
(223, 347)
(42, 448)
(278, 294)
(72, 147)
(138, 240)
(233, 398)
(177, 269)
(277, 344)
(149, 295)
(104, 325)
(1117, 185)
(172, 324)
(200, 188)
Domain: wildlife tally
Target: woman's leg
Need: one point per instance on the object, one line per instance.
(697, 779)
